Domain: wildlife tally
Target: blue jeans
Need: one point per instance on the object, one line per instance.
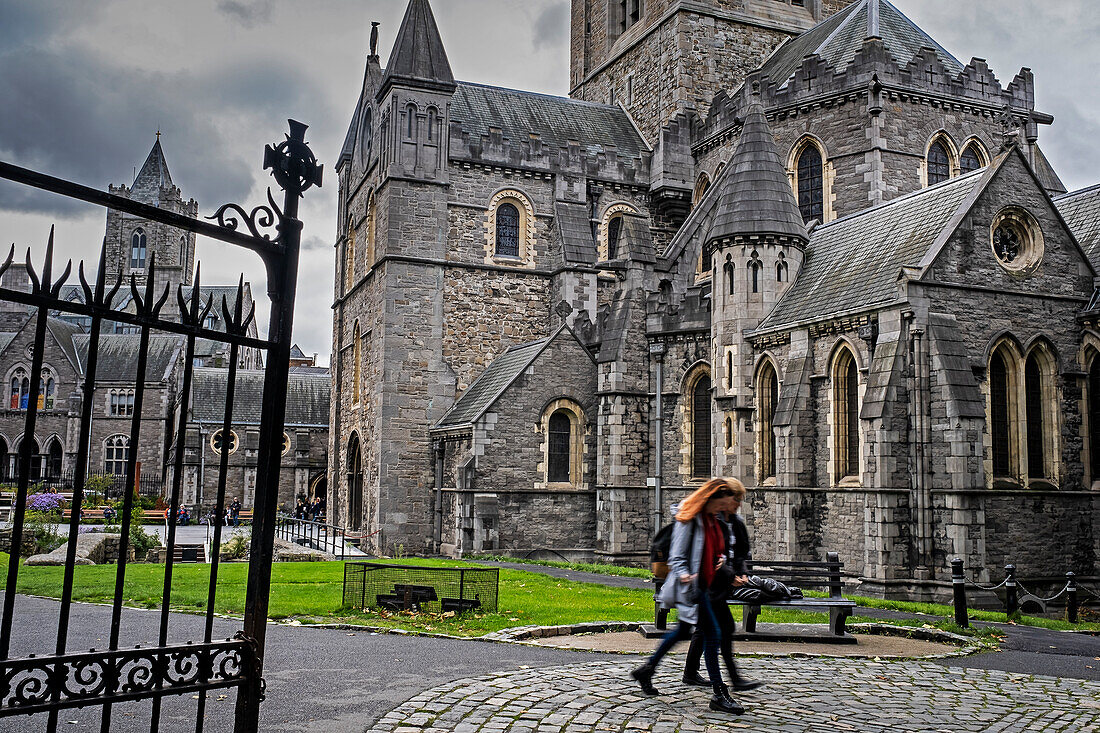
(708, 625)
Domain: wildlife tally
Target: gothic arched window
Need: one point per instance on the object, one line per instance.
(116, 452)
(355, 483)
(432, 117)
(939, 163)
(700, 428)
(559, 447)
(781, 269)
(614, 232)
(507, 235)
(138, 250)
(971, 158)
(1041, 409)
(1001, 405)
(1094, 419)
(755, 266)
(349, 258)
(846, 416)
(54, 456)
(730, 271)
(410, 122)
(357, 366)
(811, 184)
(768, 397)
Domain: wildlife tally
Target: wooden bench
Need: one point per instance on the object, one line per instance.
(807, 575)
(85, 514)
(188, 553)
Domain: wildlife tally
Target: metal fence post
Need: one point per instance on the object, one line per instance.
(1071, 598)
(958, 586)
(1011, 601)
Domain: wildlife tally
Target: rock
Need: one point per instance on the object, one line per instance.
(90, 549)
(290, 552)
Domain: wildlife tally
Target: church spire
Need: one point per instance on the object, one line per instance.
(756, 196)
(418, 55)
(154, 173)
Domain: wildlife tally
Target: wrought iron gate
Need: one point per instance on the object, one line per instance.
(55, 679)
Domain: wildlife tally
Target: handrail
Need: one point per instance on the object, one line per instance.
(328, 538)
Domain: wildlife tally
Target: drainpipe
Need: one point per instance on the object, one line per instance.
(439, 452)
(658, 352)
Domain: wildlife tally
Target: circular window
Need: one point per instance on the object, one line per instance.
(286, 443)
(1016, 239)
(217, 442)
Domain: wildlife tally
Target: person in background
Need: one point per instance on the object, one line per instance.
(235, 512)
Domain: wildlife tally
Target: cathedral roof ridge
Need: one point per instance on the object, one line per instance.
(544, 95)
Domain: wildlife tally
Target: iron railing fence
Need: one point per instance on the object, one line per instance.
(49, 680)
(337, 541)
(150, 485)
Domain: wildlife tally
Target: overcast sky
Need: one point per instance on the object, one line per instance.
(86, 85)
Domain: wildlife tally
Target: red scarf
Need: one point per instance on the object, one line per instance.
(714, 546)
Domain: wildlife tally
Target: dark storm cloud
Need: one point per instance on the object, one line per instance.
(551, 26)
(248, 14)
(82, 118)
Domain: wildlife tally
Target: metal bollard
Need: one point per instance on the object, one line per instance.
(1012, 604)
(958, 586)
(1071, 598)
(660, 615)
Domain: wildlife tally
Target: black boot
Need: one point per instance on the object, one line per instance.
(723, 703)
(644, 676)
(692, 679)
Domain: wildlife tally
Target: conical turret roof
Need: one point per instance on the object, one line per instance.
(153, 175)
(756, 196)
(418, 54)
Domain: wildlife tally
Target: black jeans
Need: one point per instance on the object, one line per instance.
(726, 626)
(708, 634)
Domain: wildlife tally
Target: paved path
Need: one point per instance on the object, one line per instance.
(802, 695)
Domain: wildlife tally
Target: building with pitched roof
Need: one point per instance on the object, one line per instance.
(796, 243)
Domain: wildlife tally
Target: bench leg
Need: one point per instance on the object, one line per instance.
(838, 617)
(751, 613)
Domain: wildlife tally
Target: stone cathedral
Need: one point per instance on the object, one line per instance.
(795, 242)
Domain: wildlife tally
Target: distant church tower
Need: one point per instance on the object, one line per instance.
(132, 241)
(658, 62)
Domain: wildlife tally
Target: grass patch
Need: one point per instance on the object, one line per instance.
(587, 567)
(312, 592)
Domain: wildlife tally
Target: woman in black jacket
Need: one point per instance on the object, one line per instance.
(738, 557)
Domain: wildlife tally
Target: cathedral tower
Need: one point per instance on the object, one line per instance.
(132, 241)
(658, 58)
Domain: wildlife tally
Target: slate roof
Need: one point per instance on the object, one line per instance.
(418, 52)
(557, 120)
(152, 176)
(492, 382)
(1081, 210)
(839, 38)
(852, 264)
(63, 332)
(307, 397)
(575, 228)
(118, 356)
(756, 198)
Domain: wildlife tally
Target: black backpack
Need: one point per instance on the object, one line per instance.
(662, 544)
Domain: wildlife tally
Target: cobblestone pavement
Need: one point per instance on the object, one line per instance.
(801, 695)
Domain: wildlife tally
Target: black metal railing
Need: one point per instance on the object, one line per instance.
(337, 541)
(42, 681)
(1017, 597)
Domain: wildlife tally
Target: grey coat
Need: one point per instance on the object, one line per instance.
(684, 558)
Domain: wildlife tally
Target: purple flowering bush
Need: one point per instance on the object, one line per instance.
(46, 503)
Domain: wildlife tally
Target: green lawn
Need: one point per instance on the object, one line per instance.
(312, 593)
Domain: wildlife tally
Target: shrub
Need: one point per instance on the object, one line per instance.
(45, 503)
(40, 534)
(236, 547)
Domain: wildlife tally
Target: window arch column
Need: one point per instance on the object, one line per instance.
(845, 433)
(767, 399)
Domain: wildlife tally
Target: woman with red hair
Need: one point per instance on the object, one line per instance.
(700, 543)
